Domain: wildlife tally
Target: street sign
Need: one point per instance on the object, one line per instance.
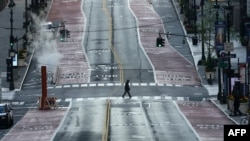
(225, 55)
(222, 65)
(228, 46)
(232, 56)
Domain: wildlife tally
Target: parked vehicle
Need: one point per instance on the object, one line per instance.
(6, 115)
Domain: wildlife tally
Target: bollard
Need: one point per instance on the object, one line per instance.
(44, 88)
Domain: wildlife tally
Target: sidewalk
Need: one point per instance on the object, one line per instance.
(240, 52)
(18, 32)
(42, 123)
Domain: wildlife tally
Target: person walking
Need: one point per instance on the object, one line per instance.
(237, 106)
(126, 89)
(236, 94)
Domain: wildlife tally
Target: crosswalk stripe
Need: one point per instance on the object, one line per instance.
(112, 98)
(92, 85)
(160, 84)
(58, 86)
(84, 85)
(79, 99)
(102, 84)
(152, 84)
(75, 85)
(68, 99)
(169, 85)
(113, 84)
(157, 97)
(135, 84)
(145, 97)
(180, 98)
(168, 97)
(66, 86)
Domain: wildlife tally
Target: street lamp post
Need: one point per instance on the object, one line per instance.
(229, 72)
(219, 95)
(203, 58)
(11, 51)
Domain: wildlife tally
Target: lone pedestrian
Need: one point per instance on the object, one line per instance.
(236, 93)
(126, 89)
(237, 106)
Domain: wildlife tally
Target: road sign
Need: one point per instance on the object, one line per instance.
(222, 65)
(232, 56)
(228, 46)
(225, 55)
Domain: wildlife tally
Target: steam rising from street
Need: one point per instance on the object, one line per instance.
(45, 45)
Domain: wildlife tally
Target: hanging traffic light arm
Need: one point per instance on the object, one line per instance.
(185, 36)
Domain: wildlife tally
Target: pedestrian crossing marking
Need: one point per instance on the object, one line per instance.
(118, 84)
(114, 84)
(169, 85)
(157, 97)
(66, 86)
(119, 99)
(58, 86)
(92, 85)
(145, 97)
(101, 84)
(110, 84)
(152, 84)
(135, 84)
(160, 84)
(75, 85)
(84, 85)
(68, 99)
(79, 99)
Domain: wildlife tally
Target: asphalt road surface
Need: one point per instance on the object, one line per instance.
(113, 47)
(142, 120)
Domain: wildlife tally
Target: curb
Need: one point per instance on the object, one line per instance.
(222, 110)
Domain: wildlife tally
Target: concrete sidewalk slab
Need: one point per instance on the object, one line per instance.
(37, 125)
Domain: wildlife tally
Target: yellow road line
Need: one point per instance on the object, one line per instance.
(104, 6)
(106, 121)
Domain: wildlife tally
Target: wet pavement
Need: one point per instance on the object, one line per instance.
(206, 119)
(73, 66)
(169, 66)
(36, 125)
(38, 121)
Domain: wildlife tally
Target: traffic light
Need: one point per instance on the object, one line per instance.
(9, 67)
(195, 40)
(25, 24)
(160, 42)
(68, 33)
(62, 35)
(12, 41)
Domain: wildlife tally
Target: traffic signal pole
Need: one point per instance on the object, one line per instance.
(11, 51)
(228, 38)
(192, 37)
(219, 95)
